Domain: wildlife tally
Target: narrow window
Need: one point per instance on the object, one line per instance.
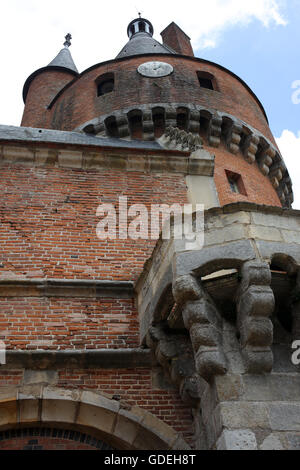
(235, 182)
(141, 26)
(207, 80)
(105, 84)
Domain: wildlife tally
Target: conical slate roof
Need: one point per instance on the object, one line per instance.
(143, 43)
(64, 59)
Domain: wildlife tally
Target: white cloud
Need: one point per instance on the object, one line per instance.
(289, 145)
(32, 32)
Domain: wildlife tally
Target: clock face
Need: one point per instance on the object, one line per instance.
(155, 69)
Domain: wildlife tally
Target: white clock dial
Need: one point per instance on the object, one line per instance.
(155, 69)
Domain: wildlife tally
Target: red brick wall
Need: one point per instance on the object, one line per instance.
(42, 90)
(56, 323)
(79, 103)
(48, 221)
(258, 187)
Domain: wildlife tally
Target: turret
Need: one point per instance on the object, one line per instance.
(44, 84)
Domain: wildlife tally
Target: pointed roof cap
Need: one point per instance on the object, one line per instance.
(64, 57)
(140, 32)
(63, 61)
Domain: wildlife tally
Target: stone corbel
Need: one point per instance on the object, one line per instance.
(174, 353)
(148, 125)
(255, 304)
(194, 122)
(250, 148)
(266, 160)
(234, 136)
(204, 323)
(214, 131)
(123, 125)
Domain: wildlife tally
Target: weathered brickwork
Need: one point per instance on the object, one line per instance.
(258, 188)
(48, 227)
(46, 86)
(56, 323)
(79, 102)
(135, 387)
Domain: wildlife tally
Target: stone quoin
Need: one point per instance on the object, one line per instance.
(146, 344)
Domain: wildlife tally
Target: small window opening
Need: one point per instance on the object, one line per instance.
(182, 120)
(206, 83)
(236, 183)
(105, 84)
(142, 26)
(207, 80)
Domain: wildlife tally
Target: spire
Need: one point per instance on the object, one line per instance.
(140, 32)
(64, 58)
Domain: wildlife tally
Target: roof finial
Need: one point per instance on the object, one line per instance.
(140, 15)
(68, 38)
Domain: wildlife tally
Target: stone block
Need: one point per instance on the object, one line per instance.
(48, 377)
(29, 411)
(245, 415)
(239, 439)
(96, 399)
(226, 234)
(229, 387)
(265, 233)
(70, 159)
(58, 411)
(127, 426)
(18, 155)
(272, 442)
(98, 418)
(285, 416)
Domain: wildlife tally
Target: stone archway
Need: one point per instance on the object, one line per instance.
(88, 412)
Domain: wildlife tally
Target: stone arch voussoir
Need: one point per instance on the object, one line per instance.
(134, 429)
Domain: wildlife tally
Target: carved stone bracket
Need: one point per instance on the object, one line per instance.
(204, 323)
(234, 136)
(255, 304)
(250, 147)
(174, 353)
(215, 131)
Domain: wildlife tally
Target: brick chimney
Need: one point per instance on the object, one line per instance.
(175, 38)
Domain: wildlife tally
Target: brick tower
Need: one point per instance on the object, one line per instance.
(141, 342)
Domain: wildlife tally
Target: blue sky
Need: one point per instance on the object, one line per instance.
(268, 59)
(259, 40)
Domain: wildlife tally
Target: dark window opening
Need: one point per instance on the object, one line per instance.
(159, 122)
(132, 30)
(111, 127)
(105, 84)
(207, 80)
(182, 121)
(142, 26)
(236, 183)
(206, 83)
